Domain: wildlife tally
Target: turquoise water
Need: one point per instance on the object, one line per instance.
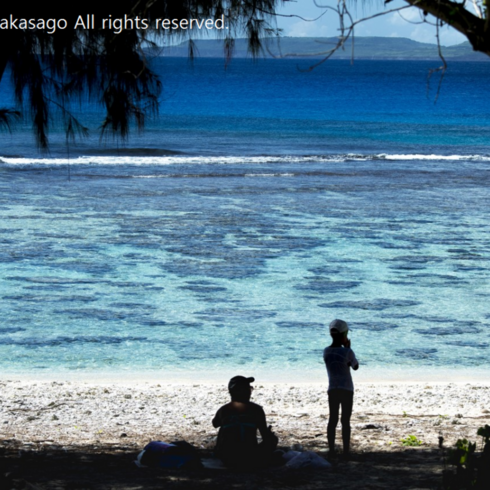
(260, 206)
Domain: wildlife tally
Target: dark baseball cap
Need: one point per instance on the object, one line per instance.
(239, 381)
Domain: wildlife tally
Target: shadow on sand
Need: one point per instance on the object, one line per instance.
(111, 467)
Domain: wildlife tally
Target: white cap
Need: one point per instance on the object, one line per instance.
(339, 325)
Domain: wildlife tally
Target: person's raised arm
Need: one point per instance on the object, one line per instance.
(353, 362)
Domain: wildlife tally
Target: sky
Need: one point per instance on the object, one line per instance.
(407, 23)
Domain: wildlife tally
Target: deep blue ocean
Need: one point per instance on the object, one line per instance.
(264, 201)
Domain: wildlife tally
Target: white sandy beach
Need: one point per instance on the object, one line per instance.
(68, 413)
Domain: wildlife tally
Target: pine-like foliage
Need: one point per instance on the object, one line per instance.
(52, 71)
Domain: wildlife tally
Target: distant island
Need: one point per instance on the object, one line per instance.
(365, 48)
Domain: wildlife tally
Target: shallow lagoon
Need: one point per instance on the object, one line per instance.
(232, 253)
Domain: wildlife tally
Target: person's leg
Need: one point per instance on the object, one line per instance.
(333, 418)
(347, 402)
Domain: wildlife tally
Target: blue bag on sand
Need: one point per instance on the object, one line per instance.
(177, 454)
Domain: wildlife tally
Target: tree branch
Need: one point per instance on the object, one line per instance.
(455, 15)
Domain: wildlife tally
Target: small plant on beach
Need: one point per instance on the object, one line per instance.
(463, 454)
(472, 469)
(411, 441)
(485, 433)
(440, 419)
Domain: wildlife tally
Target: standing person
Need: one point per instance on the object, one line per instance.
(339, 358)
(238, 422)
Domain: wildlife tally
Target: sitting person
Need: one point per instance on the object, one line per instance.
(238, 422)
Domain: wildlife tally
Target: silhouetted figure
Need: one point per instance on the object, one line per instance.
(239, 420)
(339, 358)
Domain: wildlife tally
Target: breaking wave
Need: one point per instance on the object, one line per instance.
(141, 160)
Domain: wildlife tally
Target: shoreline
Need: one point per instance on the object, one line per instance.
(307, 376)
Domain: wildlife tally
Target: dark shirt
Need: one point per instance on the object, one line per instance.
(237, 438)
